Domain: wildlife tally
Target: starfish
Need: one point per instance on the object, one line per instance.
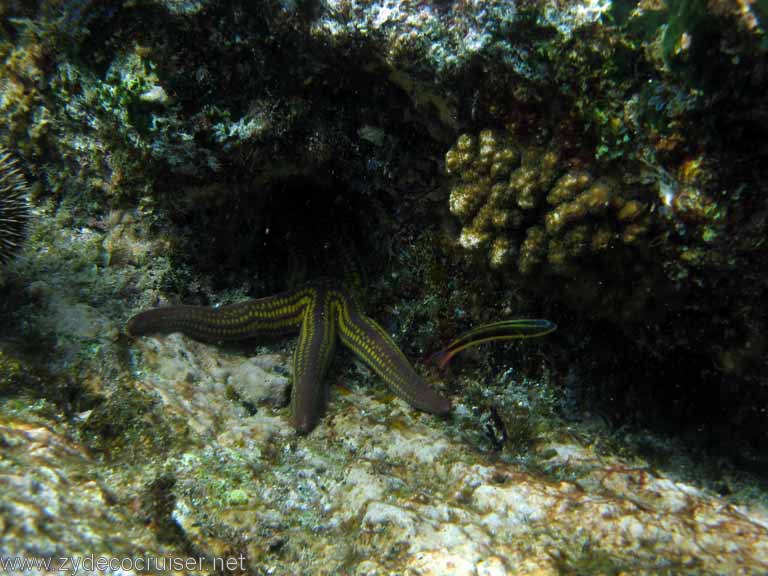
(318, 311)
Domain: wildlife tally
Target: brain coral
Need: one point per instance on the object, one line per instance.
(527, 206)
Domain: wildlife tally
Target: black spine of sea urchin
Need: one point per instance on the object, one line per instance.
(14, 206)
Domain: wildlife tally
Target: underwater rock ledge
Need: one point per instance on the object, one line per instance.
(376, 488)
(203, 152)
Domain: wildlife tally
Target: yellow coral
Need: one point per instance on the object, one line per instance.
(501, 252)
(595, 200)
(570, 184)
(532, 250)
(499, 192)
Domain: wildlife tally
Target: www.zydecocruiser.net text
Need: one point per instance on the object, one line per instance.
(93, 563)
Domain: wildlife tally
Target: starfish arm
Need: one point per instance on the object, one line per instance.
(318, 312)
(313, 354)
(370, 342)
(272, 316)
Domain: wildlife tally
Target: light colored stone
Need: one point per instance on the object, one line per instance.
(55, 503)
(255, 384)
(378, 488)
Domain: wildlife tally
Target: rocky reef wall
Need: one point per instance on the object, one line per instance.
(601, 164)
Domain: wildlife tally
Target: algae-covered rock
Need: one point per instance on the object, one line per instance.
(379, 486)
(376, 487)
(602, 164)
(58, 505)
(365, 482)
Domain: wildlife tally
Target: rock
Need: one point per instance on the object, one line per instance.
(256, 385)
(410, 499)
(56, 502)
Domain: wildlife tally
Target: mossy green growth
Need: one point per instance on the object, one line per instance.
(679, 33)
(131, 426)
(683, 17)
(29, 392)
(580, 556)
(508, 414)
(21, 78)
(220, 479)
(761, 8)
(26, 389)
(12, 374)
(127, 111)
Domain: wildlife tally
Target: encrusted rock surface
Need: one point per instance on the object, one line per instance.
(378, 488)
(57, 501)
(193, 454)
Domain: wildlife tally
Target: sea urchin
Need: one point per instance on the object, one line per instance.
(14, 206)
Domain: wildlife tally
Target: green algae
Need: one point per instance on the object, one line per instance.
(131, 426)
(13, 375)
